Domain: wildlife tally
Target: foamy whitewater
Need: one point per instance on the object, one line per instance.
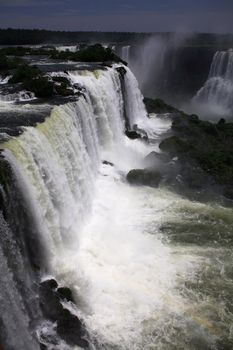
(101, 236)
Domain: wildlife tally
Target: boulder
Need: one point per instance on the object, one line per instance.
(146, 177)
(70, 328)
(105, 162)
(65, 294)
(133, 135)
(49, 299)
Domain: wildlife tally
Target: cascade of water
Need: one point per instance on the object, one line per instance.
(18, 308)
(125, 53)
(89, 220)
(135, 107)
(217, 92)
(60, 157)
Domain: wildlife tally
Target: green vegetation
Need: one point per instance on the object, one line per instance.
(35, 37)
(24, 73)
(41, 86)
(21, 51)
(93, 53)
(8, 63)
(33, 80)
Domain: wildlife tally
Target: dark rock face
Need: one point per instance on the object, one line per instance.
(49, 300)
(147, 177)
(69, 327)
(136, 133)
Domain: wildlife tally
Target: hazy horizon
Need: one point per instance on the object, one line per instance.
(208, 16)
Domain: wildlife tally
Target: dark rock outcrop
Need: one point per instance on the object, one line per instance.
(146, 177)
(65, 294)
(133, 135)
(69, 327)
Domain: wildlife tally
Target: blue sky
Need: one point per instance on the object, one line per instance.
(119, 15)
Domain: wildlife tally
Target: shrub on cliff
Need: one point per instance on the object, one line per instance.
(25, 72)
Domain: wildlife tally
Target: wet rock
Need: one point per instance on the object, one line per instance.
(49, 300)
(65, 294)
(133, 135)
(147, 177)
(122, 71)
(63, 90)
(63, 80)
(107, 163)
(141, 132)
(71, 329)
(158, 106)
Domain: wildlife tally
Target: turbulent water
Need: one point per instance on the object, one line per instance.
(148, 269)
(216, 96)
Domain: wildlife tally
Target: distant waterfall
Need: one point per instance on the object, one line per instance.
(125, 54)
(217, 92)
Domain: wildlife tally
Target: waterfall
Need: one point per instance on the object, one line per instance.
(55, 165)
(216, 96)
(67, 212)
(125, 53)
(18, 308)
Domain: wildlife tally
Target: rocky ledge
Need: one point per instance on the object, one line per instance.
(195, 160)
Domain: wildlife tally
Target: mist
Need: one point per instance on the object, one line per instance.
(150, 60)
